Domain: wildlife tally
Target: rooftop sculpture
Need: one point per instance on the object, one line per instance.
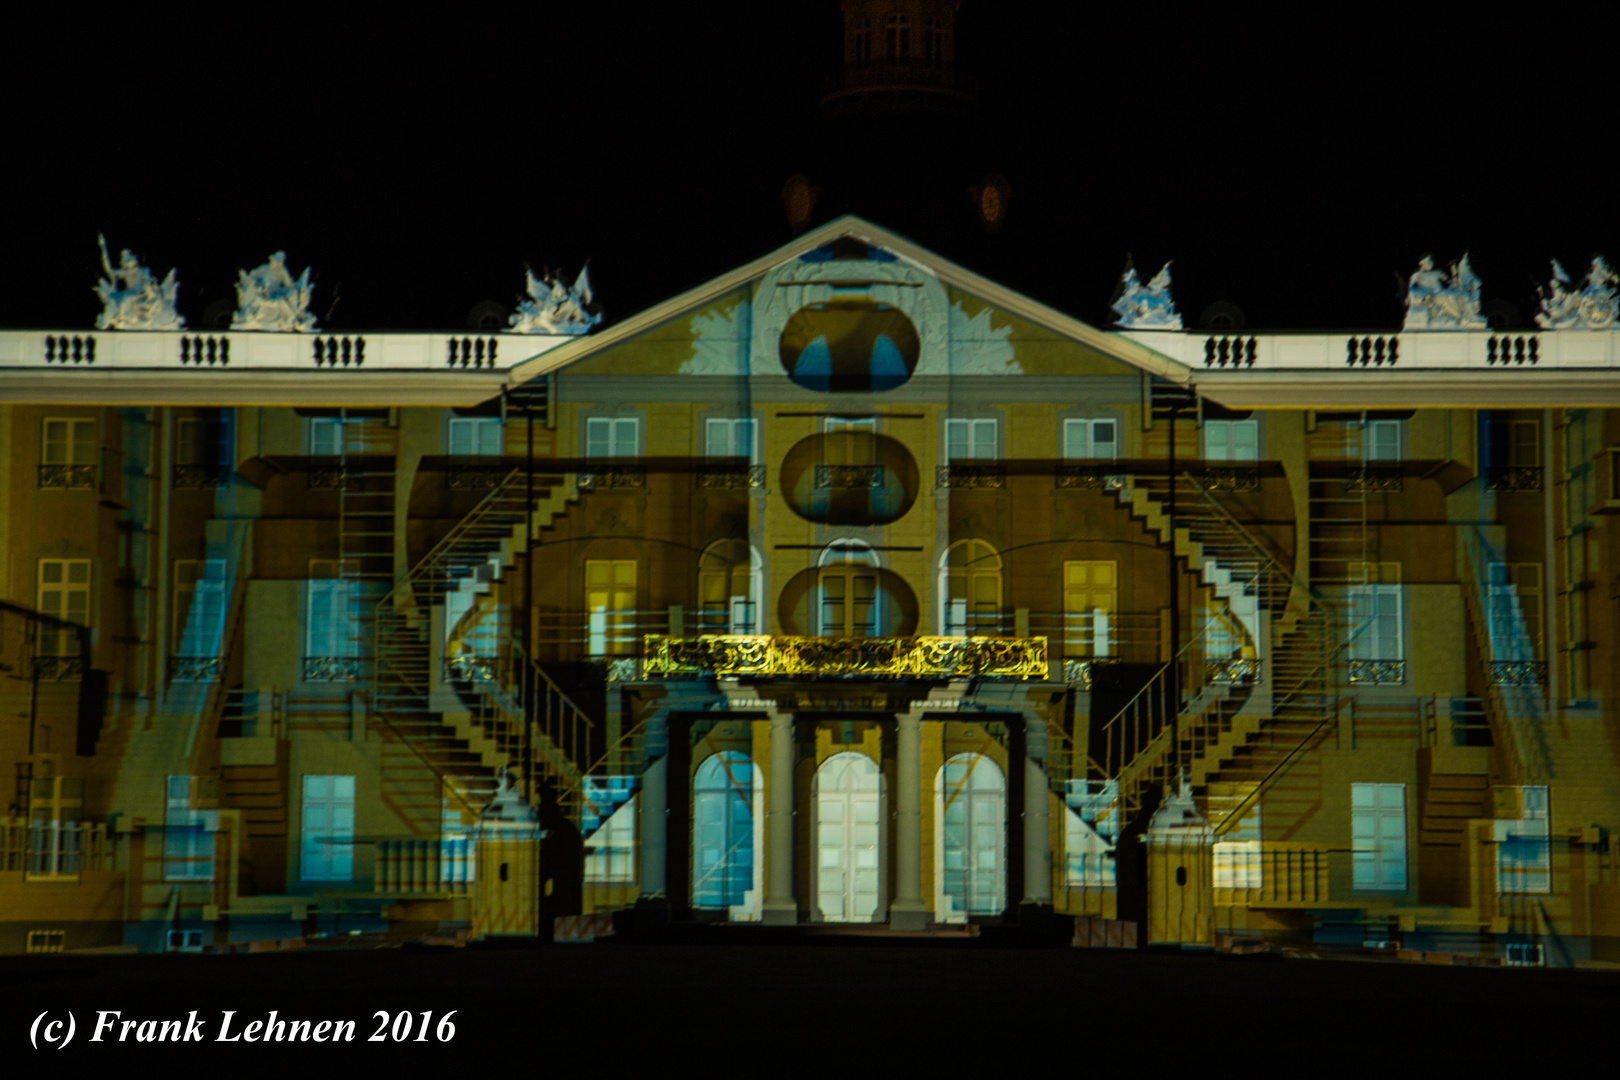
(132, 299)
(1593, 307)
(1146, 307)
(269, 298)
(552, 308)
(1434, 303)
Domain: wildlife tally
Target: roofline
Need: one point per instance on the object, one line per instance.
(1110, 344)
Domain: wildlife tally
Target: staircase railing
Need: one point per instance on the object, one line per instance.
(1500, 713)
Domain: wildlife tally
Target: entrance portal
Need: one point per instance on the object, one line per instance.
(971, 811)
(849, 839)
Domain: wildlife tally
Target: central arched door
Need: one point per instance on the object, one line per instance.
(970, 808)
(849, 839)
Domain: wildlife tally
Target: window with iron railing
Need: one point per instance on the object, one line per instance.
(63, 593)
(326, 848)
(1377, 652)
(69, 453)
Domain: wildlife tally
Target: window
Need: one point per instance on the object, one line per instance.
(610, 851)
(897, 37)
(863, 42)
(1524, 846)
(184, 941)
(1237, 854)
(1231, 440)
(1376, 633)
(188, 831)
(970, 439)
(970, 589)
(199, 607)
(731, 438)
(610, 599)
(475, 436)
(329, 629)
(1381, 440)
(64, 593)
(55, 839)
(850, 601)
(203, 440)
(612, 436)
(327, 847)
(729, 582)
(1090, 597)
(1378, 835)
(933, 43)
(68, 454)
(1090, 439)
(1514, 443)
(723, 856)
(326, 436)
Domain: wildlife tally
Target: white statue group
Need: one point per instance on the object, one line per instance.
(269, 298)
(1146, 307)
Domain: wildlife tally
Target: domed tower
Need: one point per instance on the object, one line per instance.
(898, 54)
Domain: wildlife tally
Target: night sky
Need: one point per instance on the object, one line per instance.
(1292, 167)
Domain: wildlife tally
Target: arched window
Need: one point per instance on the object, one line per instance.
(726, 827)
(970, 590)
(970, 838)
(849, 809)
(730, 583)
(849, 601)
(897, 38)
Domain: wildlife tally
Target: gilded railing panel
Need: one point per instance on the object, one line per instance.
(738, 655)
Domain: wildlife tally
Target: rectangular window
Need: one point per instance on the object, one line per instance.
(326, 436)
(612, 436)
(1378, 836)
(1231, 440)
(1381, 440)
(69, 442)
(1513, 443)
(188, 831)
(1376, 614)
(610, 600)
(970, 439)
(610, 853)
(731, 438)
(64, 592)
(329, 626)
(1090, 439)
(55, 805)
(327, 846)
(475, 436)
(1524, 846)
(1090, 598)
(199, 607)
(203, 440)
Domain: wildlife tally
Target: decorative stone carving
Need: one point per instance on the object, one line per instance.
(1593, 307)
(553, 308)
(269, 299)
(1435, 303)
(1146, 307)
(132, 299)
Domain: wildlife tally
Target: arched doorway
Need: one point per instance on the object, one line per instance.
(729, 587)
(970, 838)
(849, 854)
(726, 833)
(970, 590)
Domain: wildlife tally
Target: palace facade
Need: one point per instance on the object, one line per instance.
(847, 587)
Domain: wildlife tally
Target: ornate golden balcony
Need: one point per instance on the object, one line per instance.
(736, 655)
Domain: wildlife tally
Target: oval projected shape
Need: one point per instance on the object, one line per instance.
(849, 478)
(849, 345)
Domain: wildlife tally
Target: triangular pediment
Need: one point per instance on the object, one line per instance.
(992, 329)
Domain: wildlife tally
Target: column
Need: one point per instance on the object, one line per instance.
(781, 907)
(652, 822)
(908, 911)
(1037, 833)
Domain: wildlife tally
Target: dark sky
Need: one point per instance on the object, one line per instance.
(1293, 166)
